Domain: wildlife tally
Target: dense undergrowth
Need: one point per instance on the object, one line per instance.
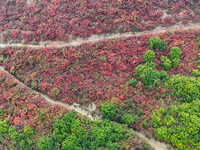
(28, 122)
(101, 71)
(149, 83)
(179, 125)
(22, 22)
(20, 109)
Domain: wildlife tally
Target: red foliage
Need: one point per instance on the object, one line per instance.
(97, 72)
(22, 107)
(58, 20)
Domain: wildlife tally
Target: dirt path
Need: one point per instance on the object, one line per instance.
(97, 38)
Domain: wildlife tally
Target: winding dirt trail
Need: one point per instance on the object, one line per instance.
(97, 38)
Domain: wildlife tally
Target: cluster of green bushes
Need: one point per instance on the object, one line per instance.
(175, 54)
(23, 139)
(186, 89)
(147, 72)
(155, 43)
(71, 133)
(179, 125)
(118, 113)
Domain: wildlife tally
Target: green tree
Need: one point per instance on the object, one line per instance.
(166, 62)
(128, 119)
(108, 110)
(156, 43)
(1, 112)
(70, 143)
(45, 143)
(132, 82)
(175, 53)
(22, 144)
(62, 127)
(149, 56)
(185, 88)
(3, 127)
(28, 131)
(150, 77)
(14, 135)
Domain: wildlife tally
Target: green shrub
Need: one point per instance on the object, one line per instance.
(145, 146)
(62, 127)
(148, 74)
(196, 72)
(107, 131)
(75, 134)
(1, 112)
(28, 131)
(151, 65)
(132, 82)
(178, 125)
(45, 143)
(14, 135)
(144, 124)
(139, 69)
(162, 46)
(163, 76)
(22, 144)
(128, 119)
(175, 62)
(140, 112)
(108, 110)
(29, 144)
(3, 127)
(70, 143)
(166, 62)
(185, 88)
(175, 53)
(199, 44)
(111, 146)
(150, 78)
(156, 43)
(149, 56)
